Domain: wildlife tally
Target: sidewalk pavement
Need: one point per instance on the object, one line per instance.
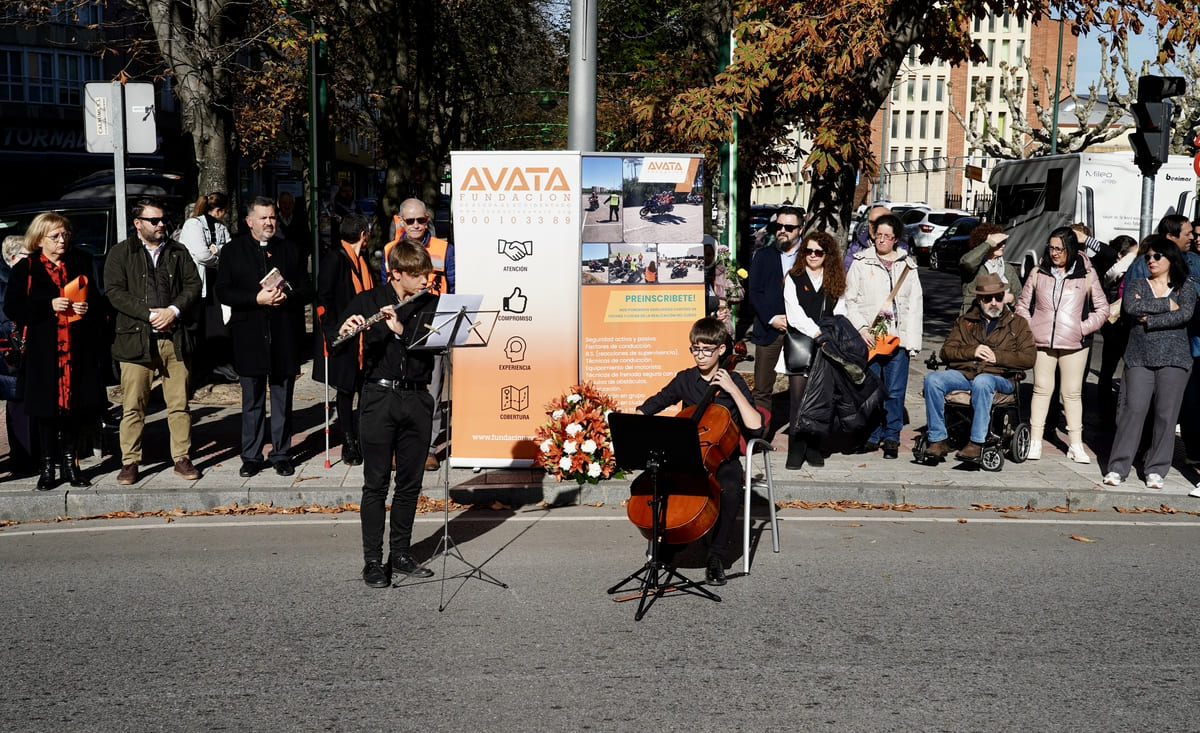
(869, 479)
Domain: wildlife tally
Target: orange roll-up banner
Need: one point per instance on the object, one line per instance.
(516, 242)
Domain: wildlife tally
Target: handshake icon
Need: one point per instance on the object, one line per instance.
(515, 251)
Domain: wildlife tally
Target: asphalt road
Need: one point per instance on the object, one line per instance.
(879, 621)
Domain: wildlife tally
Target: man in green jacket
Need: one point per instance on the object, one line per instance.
(153, 285)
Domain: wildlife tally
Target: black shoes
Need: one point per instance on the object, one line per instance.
(891, 449)
(71, 471)
(352, 452)
(814, 457)
(405, 564)
(283, 466)
(250, 468)
(715, 573)
(376, 575)
(869, 446)
(46, 480)
(797, 451)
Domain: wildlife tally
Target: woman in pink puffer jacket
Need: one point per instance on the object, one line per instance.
(1064, 302)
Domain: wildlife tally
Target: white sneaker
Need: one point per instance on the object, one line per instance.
(1035, 451)
(1195, 492)
(1112, 479)
(1076, 453)
(1154, 481)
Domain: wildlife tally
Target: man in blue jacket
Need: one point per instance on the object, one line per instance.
(766, 296)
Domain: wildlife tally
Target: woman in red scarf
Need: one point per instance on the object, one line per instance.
(60, 372)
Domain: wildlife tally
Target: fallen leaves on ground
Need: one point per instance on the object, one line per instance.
(1080, 538)
(842, 505)
(425, 505)
(1007, 510)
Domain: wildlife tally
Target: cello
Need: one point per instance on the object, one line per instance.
(692, 501)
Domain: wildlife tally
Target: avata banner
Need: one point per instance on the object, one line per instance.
(529, 229)
(516, 242)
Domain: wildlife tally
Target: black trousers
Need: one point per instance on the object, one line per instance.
(393, 423)
(254, 396)
(731, 478)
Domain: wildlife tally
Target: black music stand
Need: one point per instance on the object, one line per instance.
(656, 444)
(456, 323)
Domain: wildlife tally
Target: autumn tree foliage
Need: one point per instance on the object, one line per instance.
(828, 67)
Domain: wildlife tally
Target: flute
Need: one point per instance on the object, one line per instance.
(376, 318)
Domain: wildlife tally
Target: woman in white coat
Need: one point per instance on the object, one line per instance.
(204, 235)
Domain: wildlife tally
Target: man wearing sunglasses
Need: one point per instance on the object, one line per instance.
(985, 341)
(412, 224)
(766, 297)
(153, 284)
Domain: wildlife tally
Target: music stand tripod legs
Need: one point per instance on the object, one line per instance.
(656, 577)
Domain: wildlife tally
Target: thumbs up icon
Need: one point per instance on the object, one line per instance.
(516, 302)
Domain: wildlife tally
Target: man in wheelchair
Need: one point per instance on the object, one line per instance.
(985, 342)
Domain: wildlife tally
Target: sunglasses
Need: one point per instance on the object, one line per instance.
(703, 350)
(152, 220)
(815, 252)
(417, 220)
(1057, 249)
(789, 227)
(991, 297)
(1155, 256)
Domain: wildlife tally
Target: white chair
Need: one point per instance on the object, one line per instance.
(763, 448)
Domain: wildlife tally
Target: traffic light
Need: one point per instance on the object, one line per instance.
(1153, 112)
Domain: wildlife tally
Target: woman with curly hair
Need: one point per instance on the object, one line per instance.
(985, 253)
(813, 289)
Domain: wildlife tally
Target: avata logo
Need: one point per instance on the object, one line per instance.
(663, 165)
(515, 179)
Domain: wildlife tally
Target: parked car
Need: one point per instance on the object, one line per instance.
(952, 245)
(138, 182)
(922, 227)
(898, 208)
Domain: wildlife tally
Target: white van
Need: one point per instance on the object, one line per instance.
(1103, 190)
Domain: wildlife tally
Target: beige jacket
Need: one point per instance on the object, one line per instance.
(868, 283)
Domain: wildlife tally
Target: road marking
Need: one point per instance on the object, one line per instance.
(282, 520)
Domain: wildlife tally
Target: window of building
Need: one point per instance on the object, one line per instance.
(941, 89)
(894, 155)
(991, 52)
(908, 124)
(990, 83)
(937, 159)
(1005, 49)
(991, 22)
(896, 93)
(912, 88)
(974, 90)
(924, 88)
(978, 24)
(1005, 20)
(1002, 124)
(895, 124)
(12, 87)
(36, 76)
(1020, 59)
(924, 127)
(907, 155)
(937, 124)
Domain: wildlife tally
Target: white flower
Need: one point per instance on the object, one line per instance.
(547, 444)
(572, 399)
(557, 414)
(574, 428)
(568, 447)
(589, 446)
(564, 463)
(594, 470)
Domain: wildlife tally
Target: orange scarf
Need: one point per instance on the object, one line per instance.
(361, 279)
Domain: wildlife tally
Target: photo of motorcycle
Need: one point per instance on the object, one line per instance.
(659, 203)
(679, 271)
(593, 202)
(695, 198)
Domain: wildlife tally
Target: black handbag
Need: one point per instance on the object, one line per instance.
(798, 351)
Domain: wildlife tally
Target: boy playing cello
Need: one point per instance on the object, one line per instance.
(709, 341)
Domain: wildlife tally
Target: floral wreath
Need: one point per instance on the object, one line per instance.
(575, 443)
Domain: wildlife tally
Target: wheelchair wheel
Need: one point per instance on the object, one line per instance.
(1020, 442)
(992, 458)
(919, 446)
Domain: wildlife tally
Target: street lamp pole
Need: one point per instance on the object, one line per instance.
(1057, 91)
(581, 118)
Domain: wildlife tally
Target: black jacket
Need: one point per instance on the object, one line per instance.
(335, 290)
(126, 280)
(842, 393)
(266, 339)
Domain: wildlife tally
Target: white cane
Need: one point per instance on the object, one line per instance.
(327, 464)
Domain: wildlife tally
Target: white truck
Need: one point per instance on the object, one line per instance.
(1103, 190)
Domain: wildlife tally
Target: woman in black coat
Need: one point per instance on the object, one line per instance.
(344, 273)
(60, 377)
